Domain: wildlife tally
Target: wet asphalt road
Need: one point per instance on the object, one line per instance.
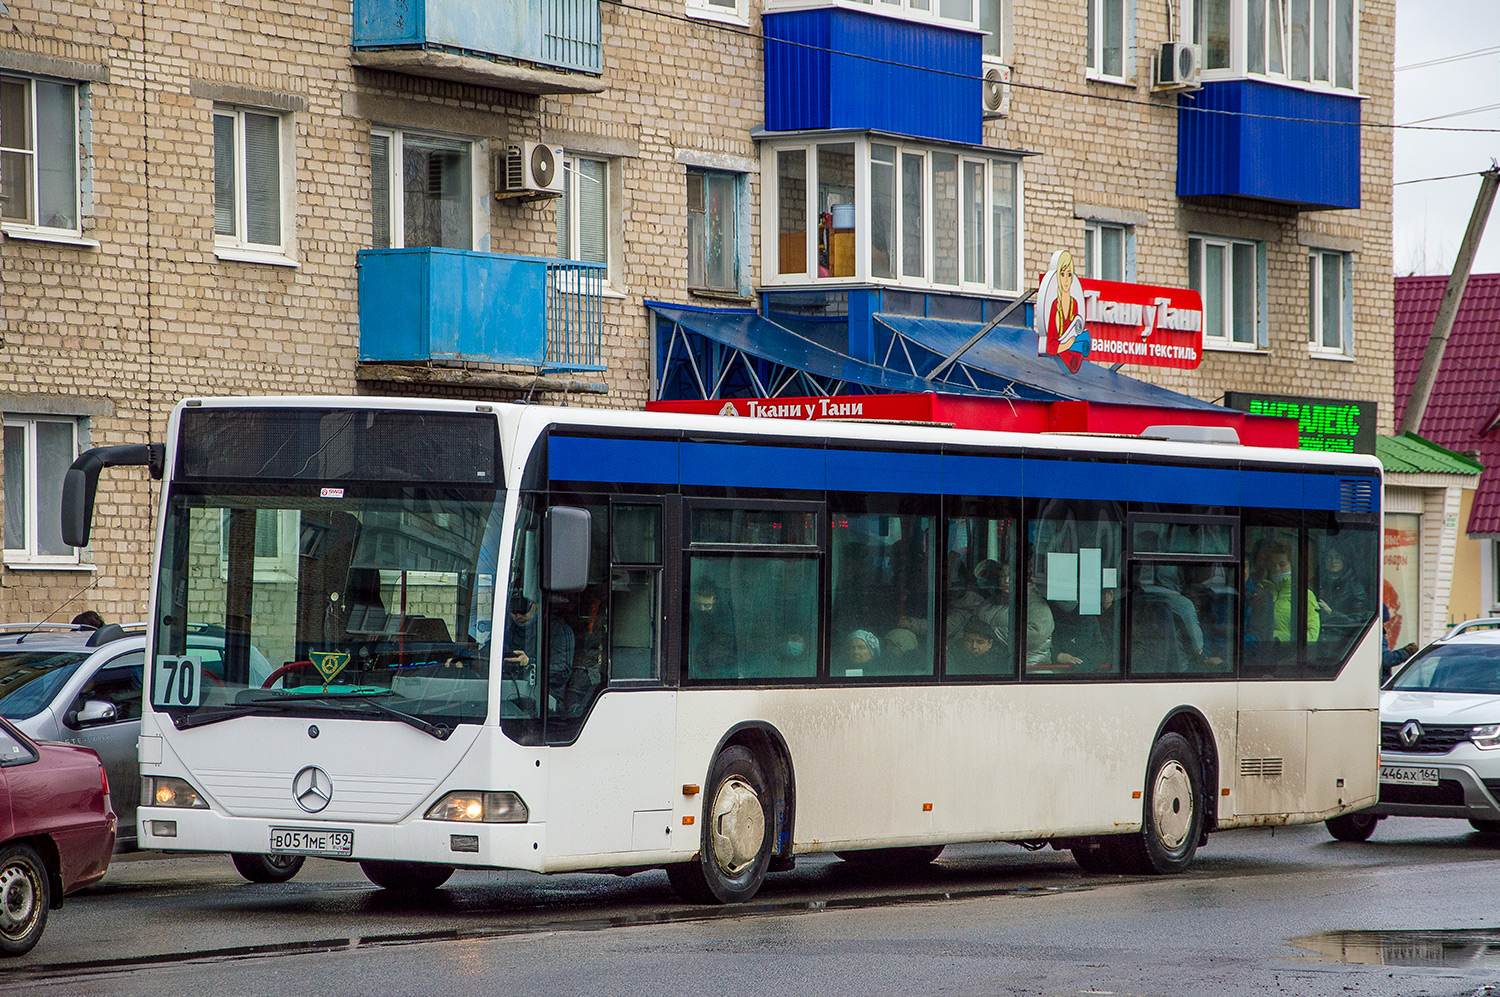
(1416, 911)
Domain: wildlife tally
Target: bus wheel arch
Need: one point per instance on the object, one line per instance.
(750, 767)
(1194, 726)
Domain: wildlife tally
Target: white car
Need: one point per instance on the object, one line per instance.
(1440, 735)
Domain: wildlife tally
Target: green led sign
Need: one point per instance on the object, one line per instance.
(1331, 424)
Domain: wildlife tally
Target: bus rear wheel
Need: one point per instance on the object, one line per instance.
(1352, 827)
(735, 844)
(406, 877)
(267, 868)
(1172, 814)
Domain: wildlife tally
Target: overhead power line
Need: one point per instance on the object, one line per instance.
(1451, 114)
(1451, 176)
(1449, 58)
(1039, 88)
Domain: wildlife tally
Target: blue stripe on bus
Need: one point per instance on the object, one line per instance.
(964, 475)
(752, 467)
(1271, 489)
(870, 471)
(579, 458)
(1320, 491)
(1192, 485)
(1078, 479)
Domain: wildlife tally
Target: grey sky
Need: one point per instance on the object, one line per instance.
(1431, 217)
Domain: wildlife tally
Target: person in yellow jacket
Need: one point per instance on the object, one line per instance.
(1271, 604)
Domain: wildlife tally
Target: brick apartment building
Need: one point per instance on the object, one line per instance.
(188, 188)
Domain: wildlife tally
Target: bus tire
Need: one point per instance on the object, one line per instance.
(735, 843)
(893, 861)
(1353, 827)
(1171, 813)
(267, 868)
(406, 877)
(25, 899)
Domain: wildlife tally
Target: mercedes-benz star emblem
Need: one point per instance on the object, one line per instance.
(312, 789)
(1411, 733)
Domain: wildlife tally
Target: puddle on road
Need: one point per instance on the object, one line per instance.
(1471, 948)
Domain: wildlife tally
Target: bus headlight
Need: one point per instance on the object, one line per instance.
(165, 791)
(481, 808)
(1486, 736)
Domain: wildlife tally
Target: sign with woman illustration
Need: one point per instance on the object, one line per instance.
(1060, 327)
(1110, 322)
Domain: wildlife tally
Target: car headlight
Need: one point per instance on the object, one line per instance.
(480, 808)
(165, 791)
(1486, 736)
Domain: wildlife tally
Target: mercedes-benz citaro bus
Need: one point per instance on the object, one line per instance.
(519, 637)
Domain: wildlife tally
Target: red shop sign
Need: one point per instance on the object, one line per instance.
(1143, 324)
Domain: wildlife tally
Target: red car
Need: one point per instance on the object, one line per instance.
(57, 831)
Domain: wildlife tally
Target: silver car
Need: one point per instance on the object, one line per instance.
(1440, 735)
(70, 683)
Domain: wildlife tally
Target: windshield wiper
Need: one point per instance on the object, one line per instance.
(300, 700)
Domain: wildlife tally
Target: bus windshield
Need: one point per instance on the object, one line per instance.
(320, 600)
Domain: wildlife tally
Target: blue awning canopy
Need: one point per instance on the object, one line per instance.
(1002, 364)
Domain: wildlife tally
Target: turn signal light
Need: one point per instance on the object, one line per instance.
(165, 791)
(481, 808)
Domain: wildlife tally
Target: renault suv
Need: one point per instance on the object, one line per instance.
(1440, 735)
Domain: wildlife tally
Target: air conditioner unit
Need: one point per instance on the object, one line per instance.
(529, 169)
(996, 90)
(1179, 65)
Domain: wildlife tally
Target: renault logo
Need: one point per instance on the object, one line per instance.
(1411, 733)
(312, 789)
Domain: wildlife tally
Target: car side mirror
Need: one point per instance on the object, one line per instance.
(93, 713)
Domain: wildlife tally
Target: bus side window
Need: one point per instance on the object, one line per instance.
(1277, 603)
(1072, 591)
(980, 596)
(1339, 557)
(635, 592)
(578, 629)
(883, 556)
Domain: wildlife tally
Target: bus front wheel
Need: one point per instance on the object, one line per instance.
(735, 843)
(1172, 815)
(267, 868)
(406, 877)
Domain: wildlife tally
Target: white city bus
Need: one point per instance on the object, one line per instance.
(504, 636)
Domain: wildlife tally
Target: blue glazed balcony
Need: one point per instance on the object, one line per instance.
(1248, 138)
(838, 68)
(448, 305)
(530, 46)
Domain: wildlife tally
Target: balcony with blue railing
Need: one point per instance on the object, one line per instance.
(529, 46)
(450, 306)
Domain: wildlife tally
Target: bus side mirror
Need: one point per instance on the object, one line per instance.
(567, 537)
(82, 481)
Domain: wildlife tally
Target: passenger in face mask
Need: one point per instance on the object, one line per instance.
(795, 656)
(1271, 606)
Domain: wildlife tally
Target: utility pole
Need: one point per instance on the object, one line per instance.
(1453, 295)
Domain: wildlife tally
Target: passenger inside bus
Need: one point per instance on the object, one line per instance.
(980, 650)
(523, 641)
(861, 654)
(1089, 643)
(1270, 608)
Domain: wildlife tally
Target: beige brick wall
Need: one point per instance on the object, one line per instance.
(150, 314)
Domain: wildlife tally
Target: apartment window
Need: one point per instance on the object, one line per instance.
(39, 153)
(1105, 248)
(249, 179)
(583, 210)
(1106, 39)
(731, 11)
(1330, 318)
(1309, 41)
(865, 209)
(422, 190)
(995, 21)
(38, 452)
(1230, 276)
(713, 229)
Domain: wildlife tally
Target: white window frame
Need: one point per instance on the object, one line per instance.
(34, 226)
(736, 13)
(1317, 276)
(612, 232)
(27, 555)
(238, 246)
(1094, 43)
(862, 141)
(1239, 42)
(738, 287)
(395, 158)
(1198, 243)
(1093, 255)
(278, 567)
